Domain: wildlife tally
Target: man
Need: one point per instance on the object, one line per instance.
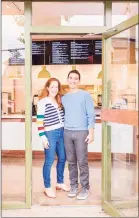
(79, 131)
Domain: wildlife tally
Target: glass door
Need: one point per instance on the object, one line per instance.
(120, 120)
(58, 24)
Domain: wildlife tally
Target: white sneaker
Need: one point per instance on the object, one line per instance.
(73, 192)
(83, 194)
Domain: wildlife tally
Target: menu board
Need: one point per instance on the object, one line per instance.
(40, 53)
(37, 53)
(97, 51)
(81, 52)
(98, 47)
(60, 52)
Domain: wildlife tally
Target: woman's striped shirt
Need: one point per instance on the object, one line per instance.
(49, 117)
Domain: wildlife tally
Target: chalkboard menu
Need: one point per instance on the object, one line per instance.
(60, 52)
(97, 51)
(40, 53)
(76, 52)
(81, 52)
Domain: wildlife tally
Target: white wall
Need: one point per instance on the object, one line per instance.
(13, 137)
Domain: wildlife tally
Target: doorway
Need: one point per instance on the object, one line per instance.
(54, 56)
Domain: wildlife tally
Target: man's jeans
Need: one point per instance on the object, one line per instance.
(77, 153)
(56, 145)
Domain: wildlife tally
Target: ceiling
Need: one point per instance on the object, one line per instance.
(49, 13)
(46, 9)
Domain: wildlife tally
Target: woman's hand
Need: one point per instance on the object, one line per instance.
(45, 144)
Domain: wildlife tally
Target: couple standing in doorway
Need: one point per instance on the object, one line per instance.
(66, 127)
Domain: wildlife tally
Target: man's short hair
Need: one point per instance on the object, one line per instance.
(76, 72)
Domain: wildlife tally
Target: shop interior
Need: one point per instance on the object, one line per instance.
(55, 56)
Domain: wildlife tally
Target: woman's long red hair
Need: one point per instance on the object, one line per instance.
(45, 92)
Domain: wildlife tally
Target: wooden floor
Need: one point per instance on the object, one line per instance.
(124, 183)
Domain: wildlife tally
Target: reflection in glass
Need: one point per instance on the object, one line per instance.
(122, 11)
(124, 171)
(123, 70)
(68, 13)
(13, 103)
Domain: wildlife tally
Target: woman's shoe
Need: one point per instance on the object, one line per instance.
(63, 187)
(49, 192)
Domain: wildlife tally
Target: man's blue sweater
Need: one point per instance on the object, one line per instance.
(79, 110)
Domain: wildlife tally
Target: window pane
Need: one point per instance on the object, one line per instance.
(122, 11)
(13, 102)
(68, 13)
(124, 171)
(123, 70)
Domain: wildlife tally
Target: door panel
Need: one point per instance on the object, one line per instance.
(120, 119)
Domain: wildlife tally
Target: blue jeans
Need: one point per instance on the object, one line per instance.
(56, 145)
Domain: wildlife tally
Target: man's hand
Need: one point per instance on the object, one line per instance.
(89, 138)
(45, 144)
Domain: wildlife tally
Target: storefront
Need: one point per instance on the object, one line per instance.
(109, 72)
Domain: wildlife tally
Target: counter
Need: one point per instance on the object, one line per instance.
(13, 135)
(14, 124)
(21, 117)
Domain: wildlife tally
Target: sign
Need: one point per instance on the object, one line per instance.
(60, 52)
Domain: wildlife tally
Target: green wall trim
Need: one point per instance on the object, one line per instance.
(63, 30)
(122, 27)
(28, 103)
(106, 130)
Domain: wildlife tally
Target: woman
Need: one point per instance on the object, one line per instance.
(50, 121)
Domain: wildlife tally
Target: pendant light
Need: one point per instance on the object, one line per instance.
(99, 75)
(44, 74)
(15, 72)
(74, 67)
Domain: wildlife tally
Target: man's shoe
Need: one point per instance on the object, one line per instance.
(83, 194)
(63, 187)
(49, 192)
(73, 192)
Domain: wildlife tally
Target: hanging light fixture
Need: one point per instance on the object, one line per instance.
(99, 75)
(74, 67)
(44, 73)
(15, 73)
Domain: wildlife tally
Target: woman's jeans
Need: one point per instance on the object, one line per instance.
(56, 145)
